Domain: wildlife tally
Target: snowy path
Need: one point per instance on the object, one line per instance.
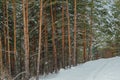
(102, 69)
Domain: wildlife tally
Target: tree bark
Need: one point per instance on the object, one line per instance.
(63, 36)
(84, 40)
(8, 37)
(91, 36)
(1, 59)
(75, 23)
(26, 37)
(53, 38)
(40, 38)
(69, 38)
(46, 43)
(5, 32)
(14, 19)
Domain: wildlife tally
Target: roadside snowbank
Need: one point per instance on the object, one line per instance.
(102, 69)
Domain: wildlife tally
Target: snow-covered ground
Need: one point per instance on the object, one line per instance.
(102, 69)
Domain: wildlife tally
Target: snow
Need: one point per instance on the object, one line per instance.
(102, 69)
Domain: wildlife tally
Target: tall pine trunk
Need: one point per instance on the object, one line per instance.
(75, 23)
(69, 38)
(53, 38)
(91, 36)
(40, 38)
(26, 37)
(8, 38)
(46, 43)
(63, 36)
(14, 20)
(5, 33)
(1, 61)
(84, 39)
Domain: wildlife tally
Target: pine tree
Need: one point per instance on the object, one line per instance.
(1, 59)
(69, 38)
(53, 37)
(26, 37)
(14, 19)
(63, 36)
(40, 34)
(75, 25)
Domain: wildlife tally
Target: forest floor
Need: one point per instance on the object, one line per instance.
(101, 69)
